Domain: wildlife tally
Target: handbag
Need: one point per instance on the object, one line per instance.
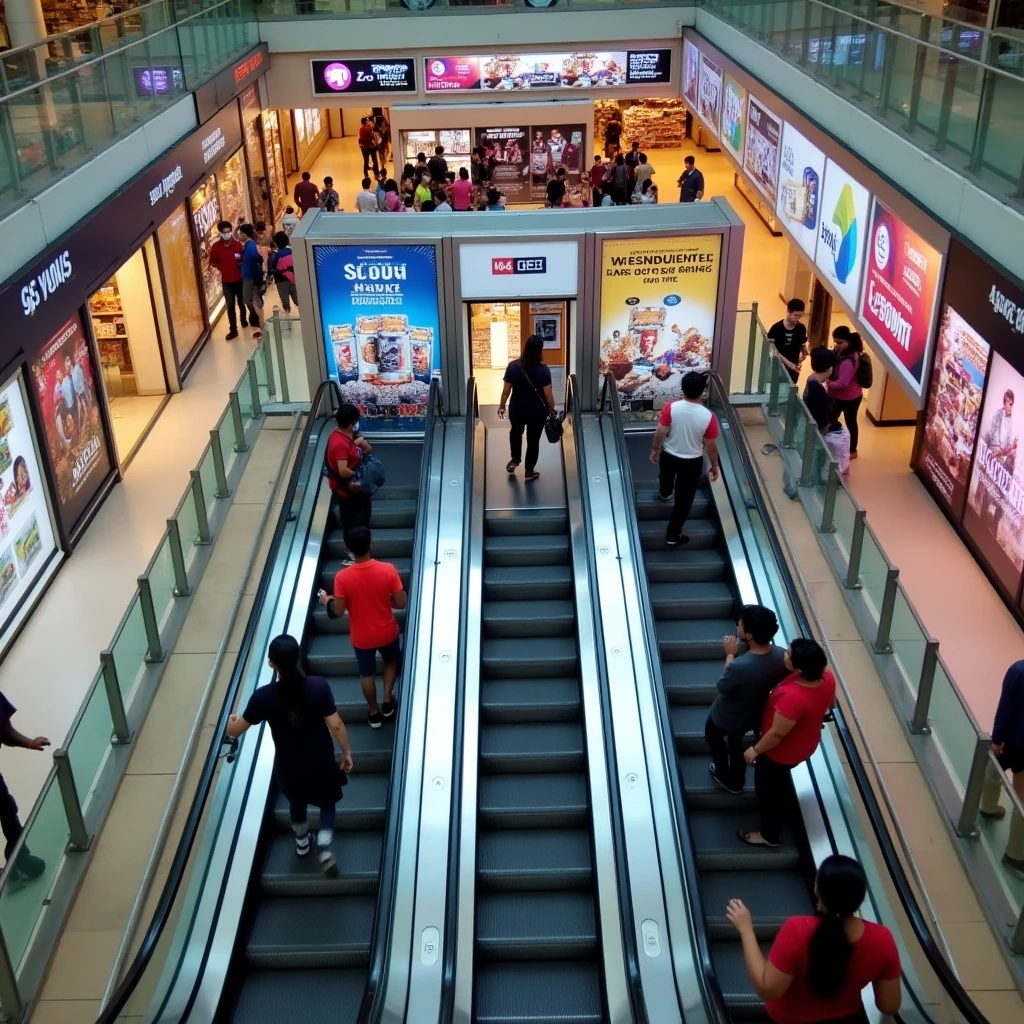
(553, 423)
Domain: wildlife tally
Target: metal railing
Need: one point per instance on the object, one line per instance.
(280, 362)
(81, 785)
(953, 749)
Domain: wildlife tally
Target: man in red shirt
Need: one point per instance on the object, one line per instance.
(225, 256)
(345, 451)
(367, 139)
(368, 590)
(306, 194)
(597, 173)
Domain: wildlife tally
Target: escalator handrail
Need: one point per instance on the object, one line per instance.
(936, 960)
(713, 998)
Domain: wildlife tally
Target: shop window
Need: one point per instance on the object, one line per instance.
(275, 161)
(181, 283)
(231, 188)
(205, 207)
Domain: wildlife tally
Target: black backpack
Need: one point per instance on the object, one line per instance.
(865, 371)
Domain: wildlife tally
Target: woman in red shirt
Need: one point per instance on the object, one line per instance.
(790, 732)
(818, 966)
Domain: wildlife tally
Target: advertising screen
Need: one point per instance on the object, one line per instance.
(691, 73)
(994, 516)
(954, 400)
(801, 170)
(709, 103)
(761, 156)
(330, 77)
(841, 232)
(525, 159)
(901, 279)
(658, 302)
(585, 69)
(159, 80)
(734, 108)
(26, 530)
(379, 310)
(66, 385)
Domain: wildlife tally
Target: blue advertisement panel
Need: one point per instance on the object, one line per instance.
(379, 310)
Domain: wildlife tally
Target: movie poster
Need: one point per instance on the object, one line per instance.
(658, 303)
(709, 101)
(691, 73)
(513, 161)
(379, 310)
(65, 381)
(564, 147)
(734, 106)
(954, 399)
(994, 516)
(761, 156)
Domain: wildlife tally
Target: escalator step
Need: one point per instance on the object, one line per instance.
(742, 1001)
(543, 549)
(648, 506)
(568, 992)
(525, 582)
(319, 931)
(718, 848)
(525, 522)
(688, 721)
(356, 853)
(392, 542)
(702, 792)
(391, 514)
(535, 926)
(684, 565)
(703, 533)
(537, 747)
(331, 655)
(326, 996)
(534, 859)
(529, 700)
(692, 639)
(532, 801)
(541, 657)
(772, 896)
(331, 567)
(531, 618)
(693, 682)
(321, 623)
(348, 698)
(691, 600)
(363, 807)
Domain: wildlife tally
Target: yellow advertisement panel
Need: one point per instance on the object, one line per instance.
(658, 303)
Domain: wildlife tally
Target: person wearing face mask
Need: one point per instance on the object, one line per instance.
(225, 256)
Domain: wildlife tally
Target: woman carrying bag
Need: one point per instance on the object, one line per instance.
(528, 381)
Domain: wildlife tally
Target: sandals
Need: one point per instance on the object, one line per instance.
(744, 837)
(511, 467)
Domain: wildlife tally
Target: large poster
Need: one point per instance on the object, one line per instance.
(691, 73)
(801, 170)
(734, 107)
(842, 227)
(379, 310)
(954, 400)
(526, 159)
(658, 303)
(205, 207)
(66, 384)
(994, 516)
(761, 156)
(26, 530)
(709, 103)
(901, 278)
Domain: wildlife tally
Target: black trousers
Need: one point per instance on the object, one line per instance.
(774, 795)
(727, 753)
(534, 428)
(354, 510)
(683, 477)
(233, 294)
(368, 156)
(848, 407)
(10, 823)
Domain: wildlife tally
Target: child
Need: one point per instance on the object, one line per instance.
(289, 222)
(837, 439)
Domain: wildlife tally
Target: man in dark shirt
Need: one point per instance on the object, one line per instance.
(612, 134)
(438, 166)
(1008, 748)
(823, 362)
(633, 156)
(789, 337)
(27, 866)
(691, 182)
(556, 188)
(306, 194)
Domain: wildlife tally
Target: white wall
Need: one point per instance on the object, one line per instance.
(133, 287)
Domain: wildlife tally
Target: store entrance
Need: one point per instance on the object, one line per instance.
(497, 331)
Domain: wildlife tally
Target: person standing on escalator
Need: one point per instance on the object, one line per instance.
(1008, 749)
(345, 450)
(26, 866)
(528, 382)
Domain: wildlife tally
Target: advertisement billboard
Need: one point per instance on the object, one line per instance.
(525, 159)
(761, 152)
(734, 109)
(519, 270)
(66, 386)
(585, 69)
(658, 303)
(801, 170)
(335, 76)
(842, 227)
(901, 281)
(691, 73)
(382, 333)
(954, 401)
(709, 103)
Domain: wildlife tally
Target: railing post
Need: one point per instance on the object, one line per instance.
(268, 365)
(807, 458)
(153, 643)
(852, 581)
(763, 369)
(748, 376)
(122, 734)
(828, 506)
(773, 387)
(279, 351)
(789, 429)
(10, 997)
(254, 388)
(241, 444)
(967, 824)
(218, 465)
(80, 840)
(919, 722)
(882, 642)
(181, 587)
(948, 95)
(199, 499)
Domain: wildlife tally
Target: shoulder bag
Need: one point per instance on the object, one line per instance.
(553, 423)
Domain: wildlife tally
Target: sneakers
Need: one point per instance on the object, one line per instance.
(347, 561)
(328, 865)
(718, 782)
(231, 335)
(376, 720)
(26, 869)
(662, 497)
(388, 708)
(674, 543)
(996, 813)
(303, 844)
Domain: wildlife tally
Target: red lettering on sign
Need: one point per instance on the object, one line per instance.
(248, 67)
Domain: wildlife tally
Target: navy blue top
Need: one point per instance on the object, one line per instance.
(252, 262)
(528, 401)
(7, 710)
(1009, 724)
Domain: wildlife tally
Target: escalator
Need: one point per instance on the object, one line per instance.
(309, 939)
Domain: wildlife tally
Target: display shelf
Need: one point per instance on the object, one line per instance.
(106, 312)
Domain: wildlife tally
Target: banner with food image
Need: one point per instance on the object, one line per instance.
(658, 303)
(382, 333)
(761, 155)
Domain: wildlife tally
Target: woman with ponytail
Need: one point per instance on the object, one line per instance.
(302, 716)
(818, 966)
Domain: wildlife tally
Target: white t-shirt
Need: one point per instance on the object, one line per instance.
(689, 424)
(366, 201)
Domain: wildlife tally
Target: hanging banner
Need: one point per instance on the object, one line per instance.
(842, 227)
(709, 104)
(734, 107)
(801, 171)
(761, 155)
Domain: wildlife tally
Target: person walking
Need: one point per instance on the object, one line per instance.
(612, 134)
(289, 222)
(225, 256)
(366, 198)
(392, 198)
(302, 716)
(597, 176)
(382, 126)
(555, 192)
(618, 178)
(691, 182)
(367, 139)
(844, 387)
(329, 201)
(790, 733)
(528, 382)
(687, 431)
(789, 338)
(437, 166)
(281, 266)
(369, 591)
(252, 277)
(644, 171)
(345, 450)
(1008, 749)
(819, 965)
(306, 194)
(462, 191)
(26, 866)
(743, 688)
